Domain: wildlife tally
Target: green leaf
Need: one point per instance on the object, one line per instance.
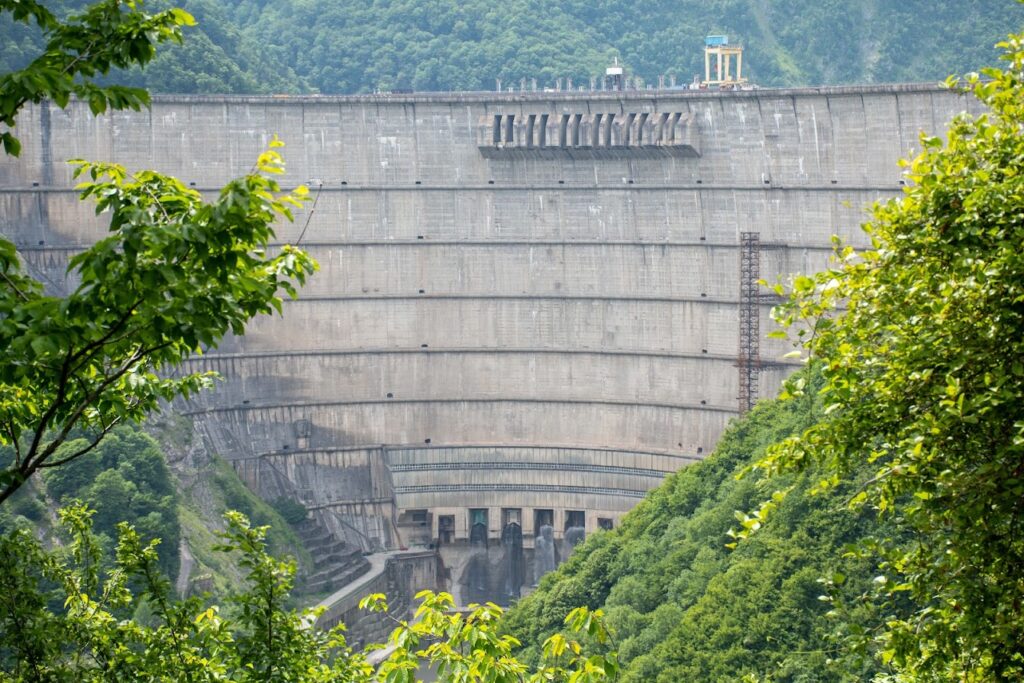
(12, 145)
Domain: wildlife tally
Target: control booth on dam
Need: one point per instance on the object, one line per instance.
(531, 307)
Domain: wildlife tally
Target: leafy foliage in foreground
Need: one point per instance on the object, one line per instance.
(176, 274)
(264, 641)
(924, 385)
(77, 51)
(687, 608)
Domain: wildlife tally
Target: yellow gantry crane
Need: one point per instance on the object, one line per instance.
(719, 48)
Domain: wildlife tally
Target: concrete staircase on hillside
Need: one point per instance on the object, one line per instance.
(335, 562)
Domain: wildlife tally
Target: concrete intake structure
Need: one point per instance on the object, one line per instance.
(529, 306)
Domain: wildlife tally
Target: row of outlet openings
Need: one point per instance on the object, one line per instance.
(570, 124)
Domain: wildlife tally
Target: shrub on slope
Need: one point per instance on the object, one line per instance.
(687, 608)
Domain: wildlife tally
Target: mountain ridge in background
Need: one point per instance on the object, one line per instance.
(344, 46)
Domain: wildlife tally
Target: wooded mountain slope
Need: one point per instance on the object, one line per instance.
(344, 46)
(683, 606)
(168, 486)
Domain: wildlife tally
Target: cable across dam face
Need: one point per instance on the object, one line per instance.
(531, 307)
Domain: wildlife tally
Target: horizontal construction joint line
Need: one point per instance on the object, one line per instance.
(519, 465)
(398, 448)
(519, 97)
(33, 248)
(449, 401)
(523, 297)
(536, 488)
(485, 351)
(349, 503)
(637, 186)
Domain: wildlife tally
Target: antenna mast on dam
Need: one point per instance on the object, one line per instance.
(531, 306)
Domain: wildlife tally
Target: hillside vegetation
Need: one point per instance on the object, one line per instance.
(683, 605)
(343, 46)
(167, 486)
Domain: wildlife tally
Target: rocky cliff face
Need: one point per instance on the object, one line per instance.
(207, 487)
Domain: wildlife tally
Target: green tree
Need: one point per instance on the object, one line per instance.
(261, 640)
(924, 382)
(174, 276)
(124, 479)
(110, 34)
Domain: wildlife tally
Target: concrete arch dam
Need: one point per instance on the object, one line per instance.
(531, 307)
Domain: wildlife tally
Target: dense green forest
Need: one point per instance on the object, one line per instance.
(340, 46)
(127, 478)
(684, 606)
(124, 479)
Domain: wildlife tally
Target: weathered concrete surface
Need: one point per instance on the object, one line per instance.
(498, 323)
(398, 575)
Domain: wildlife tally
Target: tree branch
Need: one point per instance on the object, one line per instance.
(13, 286)
(102, 341)
(145, 188)
(9, 428)
(34, 461)
(44, 421)
(309, 217)
(83, 451)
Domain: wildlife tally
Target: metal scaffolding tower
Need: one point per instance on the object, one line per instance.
(749, 353)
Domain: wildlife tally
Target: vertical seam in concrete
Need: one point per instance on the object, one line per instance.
(415, 144)
(700, 212)
(832, 137)
(45, 151)
(864, 113)
(899, 126)
(302, 138)
(931, 108)
(46, 161)
(766, 168)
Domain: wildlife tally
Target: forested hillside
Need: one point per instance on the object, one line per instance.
(684, 606)
(164, 483)
(343, 46)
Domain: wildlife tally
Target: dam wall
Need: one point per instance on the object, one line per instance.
(530, 306)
